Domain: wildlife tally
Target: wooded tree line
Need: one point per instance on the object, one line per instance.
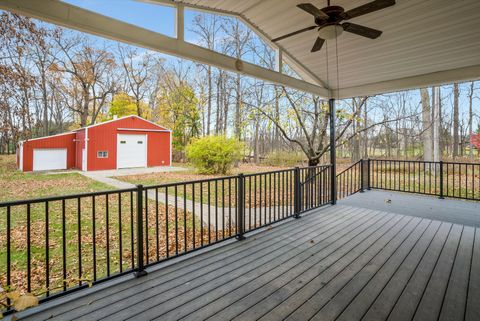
(53, 80)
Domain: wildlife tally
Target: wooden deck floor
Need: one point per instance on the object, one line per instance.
(337, 263)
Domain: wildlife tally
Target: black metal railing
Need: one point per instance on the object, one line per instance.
(349, 181)
(442, 179)
(52, 246)
(314, 188)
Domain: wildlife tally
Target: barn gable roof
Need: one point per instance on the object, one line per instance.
(125, 117)
(96, 125)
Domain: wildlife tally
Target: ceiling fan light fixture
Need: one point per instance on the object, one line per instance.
(330, 32)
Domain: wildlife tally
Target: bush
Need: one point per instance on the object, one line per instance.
(284, 158)
(214, 154)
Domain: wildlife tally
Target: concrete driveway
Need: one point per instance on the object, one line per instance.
(107, 175)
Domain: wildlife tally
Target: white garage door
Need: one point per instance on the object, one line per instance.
(131, 151)
(49, 159)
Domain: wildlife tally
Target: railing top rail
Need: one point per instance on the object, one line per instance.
(421, 161)
(311, 178)
(64, 197)
(198, 181)
(350, 167)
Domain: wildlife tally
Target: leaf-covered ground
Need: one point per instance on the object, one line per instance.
(17, 185)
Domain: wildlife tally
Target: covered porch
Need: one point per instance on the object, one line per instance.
(372, 256)
(343, 262)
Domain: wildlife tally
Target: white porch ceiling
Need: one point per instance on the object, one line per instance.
(424, 42)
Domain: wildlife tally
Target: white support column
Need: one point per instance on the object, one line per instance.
(180, 22)
(279, 61)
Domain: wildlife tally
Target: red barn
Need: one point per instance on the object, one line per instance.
(126, 142)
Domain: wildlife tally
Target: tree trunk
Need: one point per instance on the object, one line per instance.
(436, 123)
(255, 142)
(455, 121)
(470, 119)
(426, 126)
(209, 106)
(238, 115)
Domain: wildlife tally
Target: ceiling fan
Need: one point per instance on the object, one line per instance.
(328, 21)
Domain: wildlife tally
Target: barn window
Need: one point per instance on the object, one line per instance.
(102, 154)
(123, 142)
(140, 142)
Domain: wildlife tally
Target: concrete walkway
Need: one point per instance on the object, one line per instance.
(215, 215)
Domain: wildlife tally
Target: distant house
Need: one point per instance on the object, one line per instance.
(125, 142)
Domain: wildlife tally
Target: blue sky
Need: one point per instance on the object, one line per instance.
(153, 17)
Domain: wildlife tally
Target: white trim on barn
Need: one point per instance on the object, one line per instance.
(144, 130)
(20, 165)
(86, 151)
(44, 137)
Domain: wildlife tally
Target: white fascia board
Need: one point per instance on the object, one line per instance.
(421, 81)
(70, 16)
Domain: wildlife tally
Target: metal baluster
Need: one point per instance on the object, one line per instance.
(29, 250)
(64, 247)
(107, 234)
(79, 240)
(120, 232)
(47, 252)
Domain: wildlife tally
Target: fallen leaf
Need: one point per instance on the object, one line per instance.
(25, 301)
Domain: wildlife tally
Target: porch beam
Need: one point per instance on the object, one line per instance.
(70, 16)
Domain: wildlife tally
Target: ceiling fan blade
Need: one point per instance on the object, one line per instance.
(311, 9)
(361, 30)
(294, 33)
(367, 8)
(317, 45)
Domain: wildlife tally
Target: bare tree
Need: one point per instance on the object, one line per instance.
(92, 77)
(138, 72)
(455, 121)
(427, 136)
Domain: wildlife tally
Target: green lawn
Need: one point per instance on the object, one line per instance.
(113, 241)
(17, 185)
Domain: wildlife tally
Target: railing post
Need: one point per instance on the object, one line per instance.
(441, 180)
(140, 271)
(368, 174)
(297, 196)
(362, 176)
(240, 207)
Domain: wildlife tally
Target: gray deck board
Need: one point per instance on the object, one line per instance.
(176, 274)
(215, 287)
(326, 299)
(473, 308)
(342, 263)
(386, 300)
(431, 302)
(277, 276)
(453, 307)
(361, 303)
(204, 278)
